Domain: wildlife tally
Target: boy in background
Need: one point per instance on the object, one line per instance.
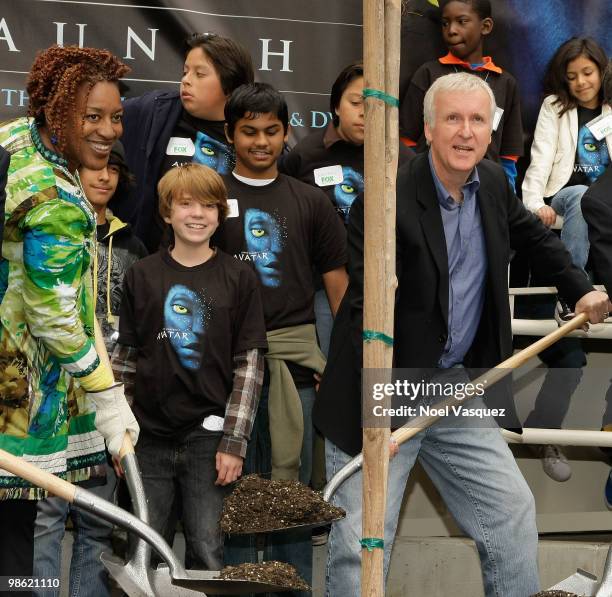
(192, 330)
(465, 25)
(284, 228)
(118, 247)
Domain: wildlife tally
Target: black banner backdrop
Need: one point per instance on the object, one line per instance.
(297, 46)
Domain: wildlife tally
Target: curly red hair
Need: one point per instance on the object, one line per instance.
(56, 75)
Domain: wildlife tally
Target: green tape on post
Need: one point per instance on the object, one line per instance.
(381, 95)
(371, 335)
(371, 543)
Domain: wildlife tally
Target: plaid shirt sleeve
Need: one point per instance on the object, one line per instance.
(123, 362)
(242, 404)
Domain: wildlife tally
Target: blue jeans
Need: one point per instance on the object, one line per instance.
(185, 469)
(475, 472)
(324, 320)
(293, 547)
(574, 234)
(92, 536)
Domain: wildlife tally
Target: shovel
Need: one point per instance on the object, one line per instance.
(420, 423)
(136, 577)
(581, 582)
(489, 378)
(585, 584)
(166, 579)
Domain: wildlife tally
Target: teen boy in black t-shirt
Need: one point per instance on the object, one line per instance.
(283, 228)
(192, 328)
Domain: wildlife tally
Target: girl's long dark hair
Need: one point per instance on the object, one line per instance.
(555, 82)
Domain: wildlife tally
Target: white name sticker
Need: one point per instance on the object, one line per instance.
(233, 208)
(601, 126)
(499, 112)
(328, 176)
(180, 146)
(213, 423)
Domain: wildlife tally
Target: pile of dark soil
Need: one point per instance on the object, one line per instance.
(273, 573)
(555, 593)
(257, 505)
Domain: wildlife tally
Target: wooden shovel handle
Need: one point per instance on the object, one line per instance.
(26, 470)
(494, 375)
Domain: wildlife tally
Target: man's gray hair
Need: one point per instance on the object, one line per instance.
(454, 82)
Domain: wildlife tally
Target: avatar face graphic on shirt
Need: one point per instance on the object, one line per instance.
(213, 153)
(346, 192)
(264, 240)
(185, 324)
(593, 155)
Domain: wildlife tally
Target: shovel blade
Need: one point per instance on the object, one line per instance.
(126, 576)
(291, 527)
(209, 582)
(582, 583)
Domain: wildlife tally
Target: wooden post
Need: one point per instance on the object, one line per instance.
(381, 43)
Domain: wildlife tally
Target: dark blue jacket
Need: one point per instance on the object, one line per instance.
(148, 123)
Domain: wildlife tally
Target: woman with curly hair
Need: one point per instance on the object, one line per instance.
(53, 384)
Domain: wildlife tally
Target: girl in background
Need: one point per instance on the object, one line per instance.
(566, 158)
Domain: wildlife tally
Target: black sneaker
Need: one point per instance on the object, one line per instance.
(563, 312)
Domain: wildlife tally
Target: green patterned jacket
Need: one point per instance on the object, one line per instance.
(47, 354)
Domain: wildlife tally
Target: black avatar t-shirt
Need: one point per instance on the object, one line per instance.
(592, 157)
(187, 323)
(324, 160)
(283, 230)
(337, 170)
(200, 141)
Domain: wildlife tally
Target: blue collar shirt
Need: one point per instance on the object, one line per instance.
(467, 266)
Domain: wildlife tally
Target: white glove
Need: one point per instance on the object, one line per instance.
(114, 417)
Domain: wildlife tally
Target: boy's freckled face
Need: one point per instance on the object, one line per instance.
(193, 220)
(463, 31)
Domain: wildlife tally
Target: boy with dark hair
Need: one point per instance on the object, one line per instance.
(465, 24)
(164, 129)
(118, 247)
(283, 228)
(192, 330)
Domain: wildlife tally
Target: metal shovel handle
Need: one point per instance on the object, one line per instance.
(492, 376)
